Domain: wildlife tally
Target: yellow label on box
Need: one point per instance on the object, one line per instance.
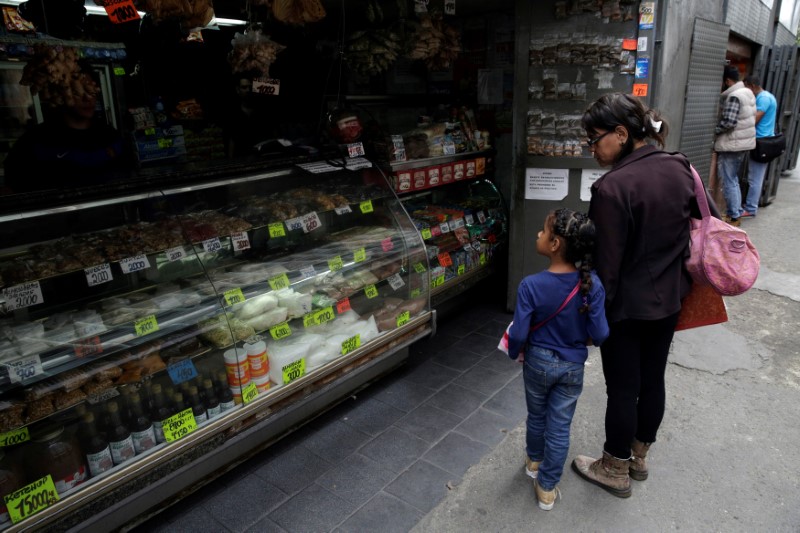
(250, 393)
(359, 255)
(146, 325)
(335, 263)
(403, 318)
(179, 425)
(293, 370)
(234, 296)
(426, 234)
(366, 206)
(351, 344)
(281, 331)
(31, 499)
(17, 436)
(461, 269)
(276, 230)
(279, 282)
(370, 291)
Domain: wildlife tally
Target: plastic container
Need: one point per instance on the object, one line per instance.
(257, 359)
(237, 367)
(263, 383)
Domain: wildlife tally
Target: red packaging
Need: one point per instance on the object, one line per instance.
(419, 179)
(403, 181)
(447, 173)
(470, 169)
(458, 171)
(433, 176)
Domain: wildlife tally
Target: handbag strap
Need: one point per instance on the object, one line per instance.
(702, 203)
(561, 308)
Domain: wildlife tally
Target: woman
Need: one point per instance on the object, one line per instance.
(641, 208)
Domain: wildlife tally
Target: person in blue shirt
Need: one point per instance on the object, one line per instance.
(559, 311)
(766, 110)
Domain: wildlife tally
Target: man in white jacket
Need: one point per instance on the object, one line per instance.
(736, 136)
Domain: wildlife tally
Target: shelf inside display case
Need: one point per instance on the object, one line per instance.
(422, 174)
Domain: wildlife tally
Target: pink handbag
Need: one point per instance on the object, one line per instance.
(721, 255)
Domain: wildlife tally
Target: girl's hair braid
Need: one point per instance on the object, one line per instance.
(578, 234)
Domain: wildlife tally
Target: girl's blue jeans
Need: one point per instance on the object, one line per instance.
(552, 388)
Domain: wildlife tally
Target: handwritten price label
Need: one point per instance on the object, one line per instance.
(182, 371)
(267, 86)
(370, 291)
(294, 223)
(366, 206)
(281, 331)
(279, 282)
(175, 254)
(319, 317)
(119, 71)
(240, 241)
(179, 425)
(146, 325)
(335, 263)
(23, 295)
(249, 393)
(31, 499)
(426, 234)
(311, 222)
(343, 306)
(467, 247)
(403, 318)
(419, 268)
(90, 346)
(351, 344)
(121, 11)
(457, 223)
(444, 227)
(359, 255)
(387, 245)
(164, 143)
(276, 230)
(461, 269)
(212, 245)
(483, 259)
(436, 231)
(445, 260)
(416, 292)
(293, 370)
(97, 275)
(233, 296)
(438, 280)
(343, 210)
(12, 438)
(481, 217)
(24, 368)
(396, 281)
(308, 272)
(470, 220)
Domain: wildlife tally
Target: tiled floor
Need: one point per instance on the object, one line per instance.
(381, 460)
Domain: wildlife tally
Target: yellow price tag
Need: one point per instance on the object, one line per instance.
(483, 258)
(335, 263)
(150, 131)
(16, 436)
(146, 325)
(293, 370)
(164, 143)
(250, 393)
(351, 344)
(419, 268)
(403, 318)
(119, 71)
(359, 255)
(366, 206)
(438, 280)
(233, 296)
(31, 499)
(426, 234)
(416, 292)
(281, 331)
(310, 319)
(461, 269)
(279, 282)
(325, 315)
(370, 291)
(276, 230)
(179, 425)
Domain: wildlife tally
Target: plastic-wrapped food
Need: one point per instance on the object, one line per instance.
(54, 74)
(267, 319)
(253, 52)
(257, 306)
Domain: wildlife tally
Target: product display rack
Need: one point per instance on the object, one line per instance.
(137, 296)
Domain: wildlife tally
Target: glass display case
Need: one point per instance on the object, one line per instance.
(134, 325)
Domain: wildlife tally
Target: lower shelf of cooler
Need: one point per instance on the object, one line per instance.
(455, 286)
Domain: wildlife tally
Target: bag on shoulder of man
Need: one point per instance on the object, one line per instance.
(768, 148)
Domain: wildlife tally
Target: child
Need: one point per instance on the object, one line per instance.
(556, 326)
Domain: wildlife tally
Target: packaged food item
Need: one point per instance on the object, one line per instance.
(257, 358)
(54, 452)
(237, 367)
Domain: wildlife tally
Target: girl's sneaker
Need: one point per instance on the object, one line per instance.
(547, 498)
(531, 467)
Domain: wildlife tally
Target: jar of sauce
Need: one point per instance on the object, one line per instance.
(11, 478)
(55, 452)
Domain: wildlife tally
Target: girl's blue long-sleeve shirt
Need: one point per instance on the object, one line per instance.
(538, 297)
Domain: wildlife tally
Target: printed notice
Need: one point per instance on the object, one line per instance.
(546, 183)
(588, 177)
(641, 44)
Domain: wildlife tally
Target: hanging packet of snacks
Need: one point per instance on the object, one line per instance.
(253, 52)
(55, 75)
(298, 12)
(192, 13)
(14, 21)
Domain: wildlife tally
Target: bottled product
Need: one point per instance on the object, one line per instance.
(142, 432)
(54, 452)
(224, 393)
(210, 400)
(179, 403)
(95, 447)
(198, 409)
(159, 412)
(119, 436)
(11, 478)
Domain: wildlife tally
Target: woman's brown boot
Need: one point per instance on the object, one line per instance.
(609, 473)
(638, 470)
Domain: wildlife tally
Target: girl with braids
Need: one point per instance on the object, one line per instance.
(556, 326)
(642, 208)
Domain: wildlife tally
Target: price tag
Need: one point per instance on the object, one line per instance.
(343, 305)
(426, 234)
(335, 263)
(146, 325)
(483, 258)
(396, 281)
(438, 280)
(416, 292)
(267, 86)
(445, 260)
(150, 131)
(293, 370)
(387, 245)
(212, 245)
(240, 241)
(98, 275)
(436, 231)
(445, 227)
(366, 206)
(469, 219)
(308, 272)
(351, 344)
(120, 11)
(16, 436)
(403, 318)
(233, 296)
(355, 150)
(370, 291)
(24, 368)
(31, 499)
(279, 282)
(461, 269)
(90, 346)
(481, 217)
(174, 254)
(119, 71)
(276, 230)
(325, 315)
(294, 223)
(449, 7)
(359, 255)
(467, 247)
(182, 371)
(311, 222)
(23, 295)
(164, 143)
(343, 210)
(249, 393)
(419, 268)
(449, 148)
(179, 425)
(457, 223)
(102, 397)
(281, 331)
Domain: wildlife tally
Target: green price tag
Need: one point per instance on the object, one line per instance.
(461, 269)
(279, 282)
(426, 234)
(335, 263)
(351, 344)
(164, 143)
(483, 258)
(150, 131)
(293, 370)
(249, 393)
(119, 71)
(419, 268)
(233, 296)
(366, 206)
(17, 436)
(281, 331)
(179, 425)
(146, 325)
(438, 280)
(403, 318)
(310, 320)
(416, 292)
(370, 291)
(31, 499)
(325, 315)
(359, 255)
(276, 230)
